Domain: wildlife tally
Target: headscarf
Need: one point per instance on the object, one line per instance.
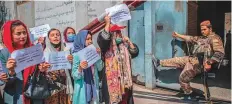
(50, 48)
(79, 41)
(7, 37)
(65, 33)
(7, 40)
(79, 44)
(118, 70)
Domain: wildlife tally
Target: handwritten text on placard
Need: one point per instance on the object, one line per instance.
(58, 60)
(119, 13)
(40, 31)
(88, 54)
(27, 57)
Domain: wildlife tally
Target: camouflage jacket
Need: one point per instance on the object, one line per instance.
(211, 45)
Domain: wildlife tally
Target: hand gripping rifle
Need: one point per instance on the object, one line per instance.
(201, 57)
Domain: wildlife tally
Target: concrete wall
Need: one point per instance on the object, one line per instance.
(7, 12)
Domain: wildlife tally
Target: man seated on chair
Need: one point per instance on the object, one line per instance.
(209, 43)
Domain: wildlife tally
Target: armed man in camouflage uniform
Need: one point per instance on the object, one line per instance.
(212, 46)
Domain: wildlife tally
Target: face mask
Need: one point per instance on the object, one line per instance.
(118, 40)
(70, 37)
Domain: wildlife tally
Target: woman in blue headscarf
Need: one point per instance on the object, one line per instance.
(4, 55)
(85, 78)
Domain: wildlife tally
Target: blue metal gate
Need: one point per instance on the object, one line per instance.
(137, 35)
(161, 19)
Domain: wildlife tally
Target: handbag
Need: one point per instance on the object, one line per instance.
(55, 87)
(37, 86)
(56, 83)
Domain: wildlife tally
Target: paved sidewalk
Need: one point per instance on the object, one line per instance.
(220, 89)
(161, 96)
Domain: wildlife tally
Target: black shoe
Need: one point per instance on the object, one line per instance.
(180, 94)
(155, 61)
(198, 94)
(190, 97)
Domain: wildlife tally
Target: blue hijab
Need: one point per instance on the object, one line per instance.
(79, 44)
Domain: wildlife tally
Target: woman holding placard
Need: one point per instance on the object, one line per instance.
(86, 78)
(4, 55)
(54, 43)
(117, 51)
(15, 37)
(69, 35)
(41, 40)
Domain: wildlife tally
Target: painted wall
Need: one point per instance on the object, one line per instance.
(169, 16)
(137, 35)
(161, 18)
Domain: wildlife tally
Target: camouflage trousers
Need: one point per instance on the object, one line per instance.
(190, 66)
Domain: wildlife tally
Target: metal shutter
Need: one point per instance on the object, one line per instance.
(192, 18)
